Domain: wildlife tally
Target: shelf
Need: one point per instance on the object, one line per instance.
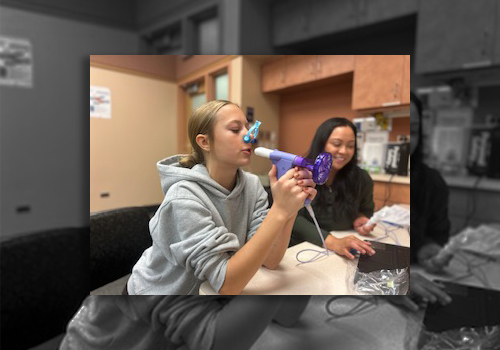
(469, 182)
(387, 177)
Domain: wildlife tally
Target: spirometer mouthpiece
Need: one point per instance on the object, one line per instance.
(320, 167)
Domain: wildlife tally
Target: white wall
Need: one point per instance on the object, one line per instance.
(44, 132)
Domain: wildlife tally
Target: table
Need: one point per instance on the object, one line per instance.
(380, 327)
(484, 276)
(325, 276)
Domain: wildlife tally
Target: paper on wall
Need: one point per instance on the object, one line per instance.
(100, 102)
(16, 62)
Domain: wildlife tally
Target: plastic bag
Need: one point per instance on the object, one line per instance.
(379, 282)
(483, 240)
(465, 338)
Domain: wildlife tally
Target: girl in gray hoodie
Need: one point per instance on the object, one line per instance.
(214, 223)
(178, 322)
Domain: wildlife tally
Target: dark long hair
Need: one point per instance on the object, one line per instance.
(416, 157)
(345, 186)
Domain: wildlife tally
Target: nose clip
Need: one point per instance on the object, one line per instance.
(253, 130)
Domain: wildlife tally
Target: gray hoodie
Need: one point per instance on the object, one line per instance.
(196, 230)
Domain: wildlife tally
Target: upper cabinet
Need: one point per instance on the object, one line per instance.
(380, 81)
(298, 20)
(405, 98)
(295, 70)
(461, 36)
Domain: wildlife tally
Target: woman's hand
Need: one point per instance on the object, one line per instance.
(304, 180)
(426, 255)
(288, 196)
(428, 291)
(359, 225)
(341, 246)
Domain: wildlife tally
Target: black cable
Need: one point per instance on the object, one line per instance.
(388, 190)
(471, 212)
(365, 303)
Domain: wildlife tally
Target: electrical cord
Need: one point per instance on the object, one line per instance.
(364, 303)
(326, 252)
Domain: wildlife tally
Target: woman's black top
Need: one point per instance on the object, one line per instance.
(429, 209)
(328, 216)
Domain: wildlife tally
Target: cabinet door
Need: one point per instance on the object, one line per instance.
(405, 97)
(273, 75)
(377, 81)
(374, 11)
(291, 20)
(328, 17)
(300, 69)
(497, 37)
(455, 35)
(332, 65)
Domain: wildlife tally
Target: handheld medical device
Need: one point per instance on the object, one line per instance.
(320, 168)
(253, 130)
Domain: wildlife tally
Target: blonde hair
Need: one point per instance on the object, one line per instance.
(202, 121)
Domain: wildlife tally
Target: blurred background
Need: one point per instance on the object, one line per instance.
(46, 154)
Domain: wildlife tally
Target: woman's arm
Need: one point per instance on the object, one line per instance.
(243, 320)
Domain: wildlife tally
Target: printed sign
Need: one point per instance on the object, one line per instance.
(16, 62)
(100, 102)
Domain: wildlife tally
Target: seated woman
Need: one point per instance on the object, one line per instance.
(430, 224)
(345, 201)
(178, 322)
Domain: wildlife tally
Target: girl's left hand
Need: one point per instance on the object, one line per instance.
(304, 179)
(359, 226)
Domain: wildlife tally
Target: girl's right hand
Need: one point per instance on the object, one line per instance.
(288, 196)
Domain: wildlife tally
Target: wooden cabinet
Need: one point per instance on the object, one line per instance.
(374, 11)
(295, 70)
(405, 98)
(378, 81)
(291, 20)
(460, 36)
(273, 75)
(298, 20)
(332, 65)
(331, 16)
(496, 57)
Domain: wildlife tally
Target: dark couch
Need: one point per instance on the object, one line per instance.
(117, 240)
(44, 279)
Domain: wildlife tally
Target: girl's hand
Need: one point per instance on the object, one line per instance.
(304, 180)
(288, 196)
(359, 226)
(341, 246)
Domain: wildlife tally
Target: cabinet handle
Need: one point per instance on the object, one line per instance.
(389, 104)
(282, 76)
(320, 65)
(396, 90)
(484, 50)
(478, 64)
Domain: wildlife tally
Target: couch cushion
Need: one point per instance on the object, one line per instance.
(44, 279)
(117, 240)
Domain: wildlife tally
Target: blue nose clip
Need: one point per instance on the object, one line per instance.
(253, 130)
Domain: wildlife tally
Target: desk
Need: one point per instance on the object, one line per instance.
(325, 276)
(381, 327)
(484, 276)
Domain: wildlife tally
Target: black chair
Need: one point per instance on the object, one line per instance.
(117, 240)
(44, 279)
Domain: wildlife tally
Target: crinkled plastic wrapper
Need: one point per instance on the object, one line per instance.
(465, 338)
(380, 282)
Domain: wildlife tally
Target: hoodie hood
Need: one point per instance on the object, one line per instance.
(172, 172)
